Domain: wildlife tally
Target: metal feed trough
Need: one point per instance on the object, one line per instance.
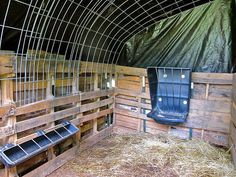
(11, 155)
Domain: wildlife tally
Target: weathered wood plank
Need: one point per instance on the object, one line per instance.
(233, 113)
(45, 119)
(53, 164)
(211, 78)
(7, 110)
(233, 133)
(196, 119)
(128, 122)
(90, 141)
(41, 84)
(131, 71)
(45, 104)
(6, 65)
(219, 138)
(209, 105)
(62, 66)
(6, 131)
(202, 105)
(234, 88)
(91, 67)
(91, 116)
(232, 150)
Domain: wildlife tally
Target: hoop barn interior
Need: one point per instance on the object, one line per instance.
(59, 60)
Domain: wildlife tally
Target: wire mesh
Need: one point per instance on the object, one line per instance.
(63, 47)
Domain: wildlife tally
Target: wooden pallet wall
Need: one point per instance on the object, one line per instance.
(92, 107)
(209, 116)
(232, 137)
(91, 111)
(83, 115)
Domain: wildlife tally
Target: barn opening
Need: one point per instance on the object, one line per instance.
(74, 87)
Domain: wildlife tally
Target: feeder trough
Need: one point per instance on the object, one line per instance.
(11, 155)
(170, 94)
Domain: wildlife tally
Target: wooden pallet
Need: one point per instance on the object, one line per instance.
(89, 111)
(128, 103)
(209, 116)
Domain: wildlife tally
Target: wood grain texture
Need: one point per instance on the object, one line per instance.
(53, 164)
(211, 78)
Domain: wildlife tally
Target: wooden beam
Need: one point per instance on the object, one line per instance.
(53, 164)
(91, 116)
(45, 104)
(6, 131)
(60, 160)
(210, 78)
(78, 120)
(95, 138)
(198, 120)
(62, 66)
(41, 120)
(232, 150)
(6, 65)
(206, 105)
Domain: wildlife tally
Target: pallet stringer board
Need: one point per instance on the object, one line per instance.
(49, 94)
(232, 136)
(95, 124)
(7, 98)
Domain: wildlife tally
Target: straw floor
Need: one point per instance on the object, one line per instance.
(144, 155)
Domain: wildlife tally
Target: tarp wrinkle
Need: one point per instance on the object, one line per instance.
(199, 38)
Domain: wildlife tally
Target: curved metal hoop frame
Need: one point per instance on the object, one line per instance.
(71, 31)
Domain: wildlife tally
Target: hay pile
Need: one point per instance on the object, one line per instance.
(152, 155)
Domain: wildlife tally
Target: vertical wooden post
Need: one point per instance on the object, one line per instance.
(114, 97)
(95, 124)
(207, 91)
(140, 101)
(49, 95)
(75, 90)
(7, 98)
(112, 106)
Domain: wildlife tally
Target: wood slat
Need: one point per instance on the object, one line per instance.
(126, 121)
(219, 138)
(45, 104)
(62, 66)
(6, 65)
(21, 86)
(196, 119)
(90, 141)
(210, 78)
(232, 150)
(91, 67)
(202, 105)
(45, 119)
(92, 116)
(233, 133)
(234, 88)
(53, 164)
(233, 113)
(6, 110)
(213, 78)
(6, 131)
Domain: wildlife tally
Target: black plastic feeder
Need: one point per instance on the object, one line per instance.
(11, 155)
(170, 94)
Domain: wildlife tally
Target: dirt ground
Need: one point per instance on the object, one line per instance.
(145, 155)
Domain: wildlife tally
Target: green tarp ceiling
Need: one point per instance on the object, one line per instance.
(199, 38)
